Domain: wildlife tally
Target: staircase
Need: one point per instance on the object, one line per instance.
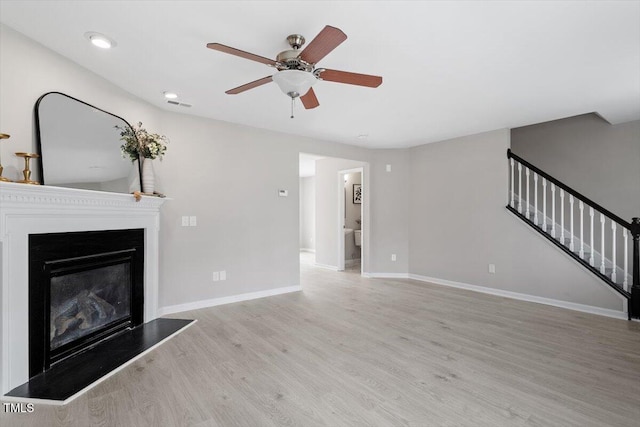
(602, 242)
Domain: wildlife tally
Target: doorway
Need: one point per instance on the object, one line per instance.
(351, 222)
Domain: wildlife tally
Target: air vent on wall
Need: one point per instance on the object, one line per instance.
(182, 104)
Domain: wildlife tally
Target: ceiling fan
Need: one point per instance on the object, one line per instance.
(297, 70)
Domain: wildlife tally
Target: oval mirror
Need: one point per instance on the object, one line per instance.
(80, 146)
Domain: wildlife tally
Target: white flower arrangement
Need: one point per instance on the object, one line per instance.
(140, 143)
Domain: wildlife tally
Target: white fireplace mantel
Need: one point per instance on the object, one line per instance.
(27, 209)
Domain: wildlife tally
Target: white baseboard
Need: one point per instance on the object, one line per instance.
(386, 275)
(313, 251)
(328, 267)
(226, 300)
(523, 297)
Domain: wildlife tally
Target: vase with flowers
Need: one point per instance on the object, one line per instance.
(141, 145)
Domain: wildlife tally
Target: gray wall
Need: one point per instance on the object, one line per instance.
(597, 159)
(308, 213)
(230, 185)
(389, 197)
(451, 195)
(459, 225)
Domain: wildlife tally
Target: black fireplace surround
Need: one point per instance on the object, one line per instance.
(84, 287)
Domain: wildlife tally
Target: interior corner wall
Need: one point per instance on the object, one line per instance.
(599, 160)
(459, 225)
(308, 213)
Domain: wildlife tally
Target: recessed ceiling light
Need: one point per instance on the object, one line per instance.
(170, 95)
(100, 40)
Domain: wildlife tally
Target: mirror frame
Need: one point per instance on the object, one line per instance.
(39, 136)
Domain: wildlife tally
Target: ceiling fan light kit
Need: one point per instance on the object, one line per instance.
(294, 83)
(297, 71)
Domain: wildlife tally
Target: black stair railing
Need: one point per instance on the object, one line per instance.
(606, 252)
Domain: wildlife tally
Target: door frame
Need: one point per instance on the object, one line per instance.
(364, 209)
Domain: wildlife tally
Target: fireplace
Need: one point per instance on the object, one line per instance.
(84, 288)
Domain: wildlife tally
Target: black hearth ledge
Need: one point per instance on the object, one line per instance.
(72, 377)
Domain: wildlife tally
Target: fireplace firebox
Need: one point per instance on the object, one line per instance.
(84, 288)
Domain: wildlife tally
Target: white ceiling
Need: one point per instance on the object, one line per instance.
(449, 68)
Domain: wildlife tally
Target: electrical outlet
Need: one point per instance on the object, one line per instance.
(185, 221)
(492, 268)
(223, 275)
(388, 168)
(192, 221)
(393, 257)
(216, 276)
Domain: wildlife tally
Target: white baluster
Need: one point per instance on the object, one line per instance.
(553, 210)
(625, 281)
(591, 259)
(581, 208)
(526, 172)
(562, 216)
(613, 252)
(513, 189)
(519, 187)
(544, 204)
(535, 198)
(602, 267)
(571, 245)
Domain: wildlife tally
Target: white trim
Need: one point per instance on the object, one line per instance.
(227, 300)
(311, 251)
(523, 297)
(96, 382)
(386, 275)
(34, 209)
(327, 266)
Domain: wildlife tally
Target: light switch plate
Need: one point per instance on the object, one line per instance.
(283, 193)
(192, 221)
(185, 221)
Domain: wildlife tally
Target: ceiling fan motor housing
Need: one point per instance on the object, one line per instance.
(289, 60)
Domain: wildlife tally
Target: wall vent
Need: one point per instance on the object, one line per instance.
(182, 104)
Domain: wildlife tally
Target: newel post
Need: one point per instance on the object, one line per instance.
(634, 309)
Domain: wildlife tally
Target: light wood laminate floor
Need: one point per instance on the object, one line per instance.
(349, 351)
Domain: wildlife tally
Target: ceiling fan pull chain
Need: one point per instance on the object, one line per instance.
(292, 101)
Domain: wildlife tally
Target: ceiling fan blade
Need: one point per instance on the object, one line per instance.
(327, 40)
(241, 53)
(248, 86)
(350, 78)
(309, 100)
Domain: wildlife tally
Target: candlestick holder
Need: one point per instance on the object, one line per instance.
(27, 172)
(2, 178)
